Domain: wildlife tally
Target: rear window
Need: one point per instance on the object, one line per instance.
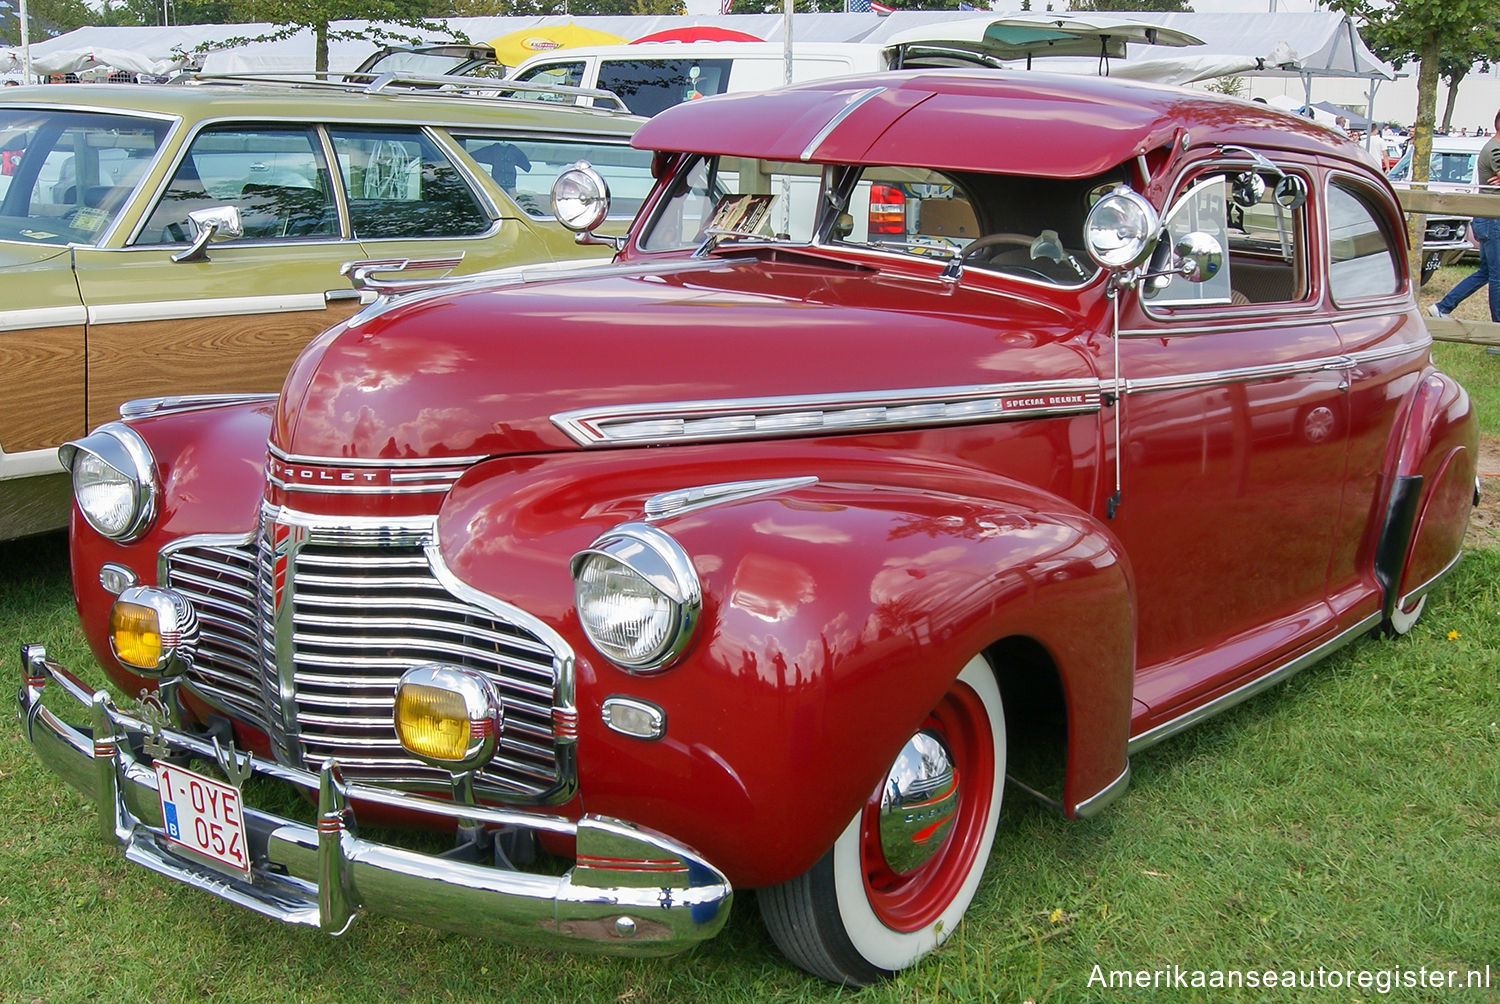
(649, 86)
(526, 166)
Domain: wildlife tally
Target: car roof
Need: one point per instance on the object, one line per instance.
(1009, 122)
(250, 97)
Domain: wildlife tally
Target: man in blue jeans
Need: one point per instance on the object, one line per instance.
(1486, 231)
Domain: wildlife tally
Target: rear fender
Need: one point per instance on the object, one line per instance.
(835, 615)
(1430, 492)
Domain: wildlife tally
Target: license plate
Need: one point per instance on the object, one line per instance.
(204, 816)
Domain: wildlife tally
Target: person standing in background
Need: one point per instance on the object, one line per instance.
(1486, 230)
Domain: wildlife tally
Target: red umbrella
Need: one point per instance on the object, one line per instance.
(698, 33)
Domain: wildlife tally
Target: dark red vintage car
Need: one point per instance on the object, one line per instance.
(929, 431)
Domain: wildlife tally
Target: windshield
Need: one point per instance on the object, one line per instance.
(1015, 225)
(65, 175)
(1447, 165)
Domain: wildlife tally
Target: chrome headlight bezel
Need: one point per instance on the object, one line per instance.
(580, 197)
(119, 449)
(1121, 229)
(659, 572)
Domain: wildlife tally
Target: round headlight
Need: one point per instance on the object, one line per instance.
(1120, 228)
(580, 197)
(638, 597)
(114, 480)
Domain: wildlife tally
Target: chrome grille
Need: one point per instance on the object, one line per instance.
(365, 605)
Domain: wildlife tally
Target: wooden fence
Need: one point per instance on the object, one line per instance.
(1451, 329)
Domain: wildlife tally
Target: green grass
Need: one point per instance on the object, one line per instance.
(1349, 819)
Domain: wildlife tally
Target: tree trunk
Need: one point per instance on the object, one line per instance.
(320, 47)
(1453, 83)
(1421, 153)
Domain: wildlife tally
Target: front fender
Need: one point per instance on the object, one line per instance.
(836, 614)
(210, 466)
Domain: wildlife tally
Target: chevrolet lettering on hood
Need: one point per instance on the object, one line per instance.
(939, 465)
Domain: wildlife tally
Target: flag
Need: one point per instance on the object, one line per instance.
(724, 6)
(880, 8)
(856, 6)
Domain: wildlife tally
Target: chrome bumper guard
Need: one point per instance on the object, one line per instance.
(631, 891)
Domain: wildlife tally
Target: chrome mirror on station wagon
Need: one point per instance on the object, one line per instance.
(216, 223)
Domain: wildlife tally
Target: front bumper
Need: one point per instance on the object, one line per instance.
(630, 892)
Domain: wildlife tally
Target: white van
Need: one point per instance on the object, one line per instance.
(1454, 168)
(653, 76)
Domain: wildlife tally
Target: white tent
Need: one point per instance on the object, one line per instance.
(1298, 44)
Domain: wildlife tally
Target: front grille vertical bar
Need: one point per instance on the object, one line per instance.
(334, 611)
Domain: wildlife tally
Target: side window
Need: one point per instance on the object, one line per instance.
(526, 166)
(275, 176)
(568, 74)
(650, 86)
(1264, 242)
(1362, 256)
(401, 185)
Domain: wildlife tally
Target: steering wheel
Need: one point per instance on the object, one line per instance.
(978, 244)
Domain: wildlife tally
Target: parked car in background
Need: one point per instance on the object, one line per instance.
(1454, 168)
(766, 556)
(189, 240)
(451, 58)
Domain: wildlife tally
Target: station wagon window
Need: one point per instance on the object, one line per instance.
(275, 176)
(401, 185)
(1264, 241)
(1362, 258)
(65, 175)
(526, 166)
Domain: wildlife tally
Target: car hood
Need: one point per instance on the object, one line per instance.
(487, 370)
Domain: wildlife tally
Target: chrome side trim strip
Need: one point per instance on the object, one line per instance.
(1225, 701)
(227, 306)
(42, 317)
(1097, 803)
(307, 458)
(1426, 587)
(855, 100)
(745, 418)
(685, 500)
(141, 407)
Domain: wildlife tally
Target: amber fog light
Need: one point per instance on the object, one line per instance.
(153, 631)
(447, 716)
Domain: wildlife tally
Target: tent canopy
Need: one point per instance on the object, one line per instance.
(1286, 44)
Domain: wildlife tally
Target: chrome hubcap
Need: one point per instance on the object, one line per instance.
(917, 803)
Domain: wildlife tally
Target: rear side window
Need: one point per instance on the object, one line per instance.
(401, 185)
(1362, 256)
(526, 166)
(649, 86)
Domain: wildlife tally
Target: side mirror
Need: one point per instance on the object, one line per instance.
(1198, 256)
(217, 223)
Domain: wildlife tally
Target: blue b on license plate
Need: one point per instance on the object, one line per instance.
(203, 815)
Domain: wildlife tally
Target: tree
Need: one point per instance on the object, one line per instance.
(1404, 31)
(47, 18)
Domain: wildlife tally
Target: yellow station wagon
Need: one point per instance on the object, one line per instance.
(188, 240)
